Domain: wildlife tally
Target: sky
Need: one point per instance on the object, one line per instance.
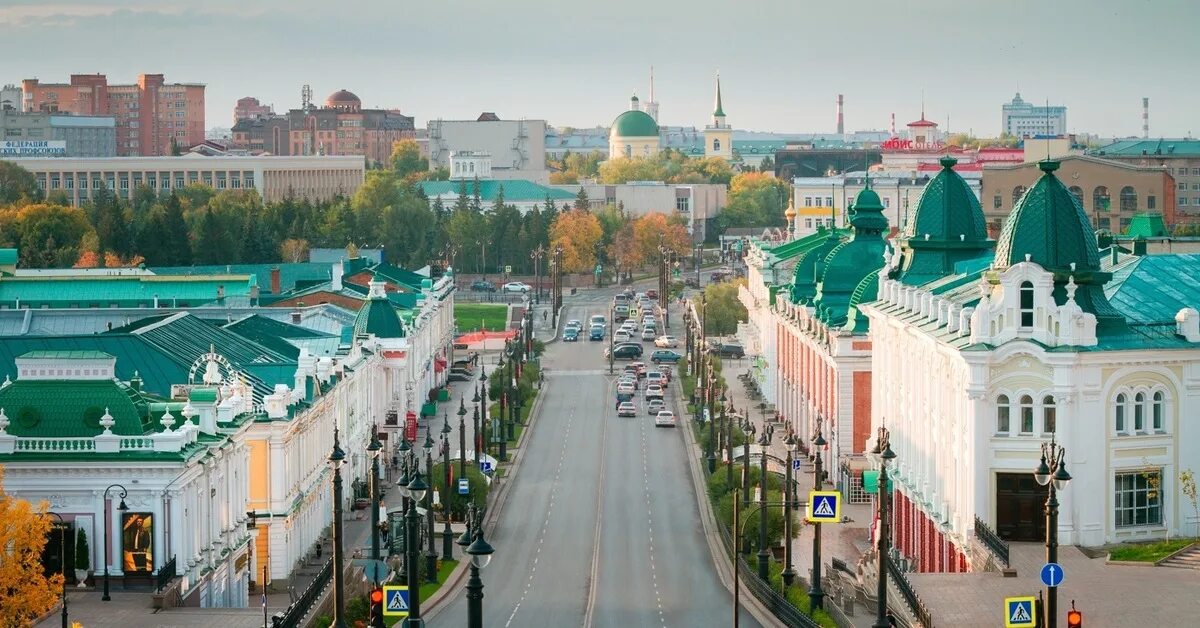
(782, 62)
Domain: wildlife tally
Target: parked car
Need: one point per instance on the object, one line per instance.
(654, 391)
(482, 285)
(517, 286)
(654, 406)
(666, 342)
(570, 334)
(665, 355)
(665, 418)
(627, 408)
(730, 350)
(596, 333)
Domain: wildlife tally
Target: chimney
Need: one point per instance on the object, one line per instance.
(1146, 118)
(337, 276)
(841, 126)
(275, 283)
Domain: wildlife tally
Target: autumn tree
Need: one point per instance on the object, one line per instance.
(723, 309)
(407, 161)
(577, 232)
(27, 591)
(755, 199)
(655, 229)
(47, 235)
(17, 185)
(293, 250)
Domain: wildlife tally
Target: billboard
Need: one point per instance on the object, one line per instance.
(33, 148)
(137, 542)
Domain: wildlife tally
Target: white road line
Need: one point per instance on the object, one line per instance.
(590, 607)
(650, 528)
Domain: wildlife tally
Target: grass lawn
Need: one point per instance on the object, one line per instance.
(1150, 552)
(469, 316)
(429, 588)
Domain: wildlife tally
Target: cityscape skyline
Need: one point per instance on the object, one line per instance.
(961, 76)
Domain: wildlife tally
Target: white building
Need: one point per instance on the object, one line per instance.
(698, 203)
(822, 201)
(1024, 119)
(517, 147)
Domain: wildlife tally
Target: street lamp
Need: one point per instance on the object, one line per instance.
(447, 540)
(373, 450)
(475, 425)
(789, 574)
(62, 562)
(710, 392)
(430, 554)
(728, 435)
(816, 596)
(108, 544)
(883, 449)
(1052, 473)
(462, 437)
(763, 442)
(337, 458)
(416, 491)
(481, 554)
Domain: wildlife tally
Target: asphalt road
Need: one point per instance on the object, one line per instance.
(601, 526)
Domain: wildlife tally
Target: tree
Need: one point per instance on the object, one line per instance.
(213, 241)
(653, 229)
(48, 235)
(28, 592)
(293, 250)
(626, 169)
(407, 161)
(178, 249)
(406, 229)
(112, 226)
(581, 199)
(755, 200)
(723, 309)
(577, 232)
(1187, 483)
(17, 185)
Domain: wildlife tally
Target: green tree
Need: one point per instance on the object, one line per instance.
(407, 160)
(581, 199)
(178, 248)
(17, 185)
(112, 225)
(755, 200)
(723, 309)
(213, 241)
(379, 191)
(49, 235)
(407, 225)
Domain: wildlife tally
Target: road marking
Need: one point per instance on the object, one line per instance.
(593, 574)
(650, 526)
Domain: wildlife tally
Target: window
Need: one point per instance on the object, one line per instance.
(1196, 171)
(1139, 412)
(1119, 413)
(1195, 186)
(808, 223)
(1018, 192)
(1100, 199)
(716, 145)
(887, 202)
(997, 201)
(1128, 199)
(1049, 415)
(1026, 414)
(1151, 202)
(1157, 411)
(828, 201)
(1077, 192)
(1002, 414)
(1182, 185)
(1138, 500)
(682, 204)
(1026, 304)
(1183, 200)
(808, 201)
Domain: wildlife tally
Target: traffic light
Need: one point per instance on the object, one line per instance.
(376, 608)
(1074, 617)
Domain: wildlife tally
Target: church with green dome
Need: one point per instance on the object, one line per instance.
(634, 133)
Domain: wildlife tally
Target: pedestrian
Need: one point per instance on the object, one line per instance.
(545, 315)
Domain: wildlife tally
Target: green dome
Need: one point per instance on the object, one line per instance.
(853, 259)
(868, 212)
(635, 124)
(378, 317)
(809, 268)
(948, 227)
(1048, 225)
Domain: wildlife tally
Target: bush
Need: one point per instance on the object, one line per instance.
(357, 609)
(457, 504)
(722, 496)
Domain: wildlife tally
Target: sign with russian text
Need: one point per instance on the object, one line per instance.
(33, 148)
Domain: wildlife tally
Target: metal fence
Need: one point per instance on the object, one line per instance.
(772, 599)
(992, 541)
(165, 574)
(910, 596)
(295, 612)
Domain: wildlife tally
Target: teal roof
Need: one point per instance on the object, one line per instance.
(635, 124)
(40, 408)
(850, 261)
(122, 290)
(404, 277)
(947, 227)
(8, 257)
(290, 275)
(67, 355)
(866, 291)
(514, 190)
(811, 264)
(274, 334)
(378, 317)
(1153, 288)
(1147, 226)
(1161, 147)
(719, 111)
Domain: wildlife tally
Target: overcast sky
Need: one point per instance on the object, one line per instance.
(782, 62)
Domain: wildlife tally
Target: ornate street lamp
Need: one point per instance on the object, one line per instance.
(337, 458)
(373, 450)
(816, 596)
(431, 553)
(62, 562)
(789, 499)
(1052, 472)
(481, 554)
(763, 555)
(883, 449)
(416, 491)
(462, 437)
(447, 536)
(108, 544)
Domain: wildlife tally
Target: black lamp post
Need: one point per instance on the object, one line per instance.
(481, 554)
(709, 394)
(748, 430)
(475, 445)
(373, 450)
(402, 486)
(789, 498)
(337, 457)
(816, 596)
(430, 553)
(763, 555)
(883, 449)
(415, 491)
(462, 437)
(1052, 472)
(62, 562)
(447, 537)
(728, 436)
(107, 544)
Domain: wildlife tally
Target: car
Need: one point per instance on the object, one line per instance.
(730, 350)
(664, 418)
(622, 336)
(624, 387)
(666, 342)
(625, 352)
(665, 355)
(639, 366)
(654, 377)
(570, 334)
(665, 370)
(459, 377)
(627, 408)
(576, 323)
(596, 333)
(620, 312)
(630, 382)
(652, 294)
(629, 326)
(482, 285)
(639, 296)
(648, 333)
(654, 391)
(517, 286)
(654, 406)
(691, 282)
(597, 319)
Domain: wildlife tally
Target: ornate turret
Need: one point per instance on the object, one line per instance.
(948, 227)
(377, 316)
(853, 260)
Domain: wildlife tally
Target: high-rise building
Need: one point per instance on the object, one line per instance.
(1024, 119)
(249, 108)
(151, 115)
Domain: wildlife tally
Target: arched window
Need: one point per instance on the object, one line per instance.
(1077, 192)
(1119, 413)
(1018, 192)
(1139, 412)
(1049, 415)
(1100, 199)
(1158, 411)
(716, 145)
(1128, 199)
(1026, 414)
(1026, 304)
(1002, 414)
(628, 150)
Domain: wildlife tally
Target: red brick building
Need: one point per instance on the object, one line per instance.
(151, 114)
(249, 108)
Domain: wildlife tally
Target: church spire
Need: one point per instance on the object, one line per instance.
(718, 112)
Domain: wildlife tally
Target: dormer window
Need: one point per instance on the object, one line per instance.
(1026, 296)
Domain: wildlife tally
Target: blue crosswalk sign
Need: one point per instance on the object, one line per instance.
(824, 506)
(1018, 612)
(395, 601)
(485, 466)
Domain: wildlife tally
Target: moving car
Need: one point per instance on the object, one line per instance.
(625, 387)
(665, 418)
(648, 333)
(629, 381)
(652, 294)
(654, 391)
(627, 408)
(665, 355)
(570, 334)
(596, 333)
(597, 319)
(625, 352)
(576, 323)
(640, 367)
(517, 286)
(622, 336)
(656, 378)
(654, 406)
(620, 312)
(482, 285)
(666, 342)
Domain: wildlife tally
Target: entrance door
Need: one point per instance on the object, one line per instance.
(58, 556)
(1020, 507)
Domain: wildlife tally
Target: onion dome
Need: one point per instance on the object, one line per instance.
(635, 124)
(947, 227)
(377, 316)
(343, 100)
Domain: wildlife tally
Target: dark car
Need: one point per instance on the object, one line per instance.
(652, 294)
(728, 350)
(570, 334)
(627, 352)
(691, 282)
(482, 285)
(665, 355)
(596, 333)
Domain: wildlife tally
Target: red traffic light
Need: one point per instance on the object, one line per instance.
(377, 596)
(1074, 617)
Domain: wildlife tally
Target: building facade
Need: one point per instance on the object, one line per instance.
(1024, 119)
(822, 201)
(697, 203)
(152, 116)
(49, 135)
(249, 108)
(275, 178)
(1179, 157)
(517, 147)
(10, 98)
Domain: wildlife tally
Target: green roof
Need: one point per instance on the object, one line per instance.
(378, 317)
(8, 257)
(947, 227)
(274, 334)
(290, 275)
(1153, 288)
(718, 111)
(67, 355)
(40, 408)
(515, 190)
(1161, 147)
(158, 370)
(635, 124)
(1147, 225)
(122, 290)
(811, 264)
(850, 261)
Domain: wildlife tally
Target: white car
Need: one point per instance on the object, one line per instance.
(622, 336)
(648, 333)
(517, 286)
(664, 418)
(654, 391)
(666, 342)
(654, 406)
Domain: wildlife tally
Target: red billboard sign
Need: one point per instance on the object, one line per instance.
(410, 426)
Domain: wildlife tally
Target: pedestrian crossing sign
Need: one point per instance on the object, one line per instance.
(1018, 612)
(395, 601)
(824, 506)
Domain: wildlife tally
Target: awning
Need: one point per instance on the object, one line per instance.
(439, 365)
(871, 482)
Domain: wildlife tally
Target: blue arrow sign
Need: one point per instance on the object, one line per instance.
(1052, 574)
(464, 486)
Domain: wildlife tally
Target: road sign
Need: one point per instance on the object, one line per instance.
(395, 601)
(1018, 612)
(1052, 574)
(485, 466)
(796, 464)
(464, 486)
(508, 269)
(824, 506)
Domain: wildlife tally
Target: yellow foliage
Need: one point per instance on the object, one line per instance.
(577, 232)
(23, 530)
